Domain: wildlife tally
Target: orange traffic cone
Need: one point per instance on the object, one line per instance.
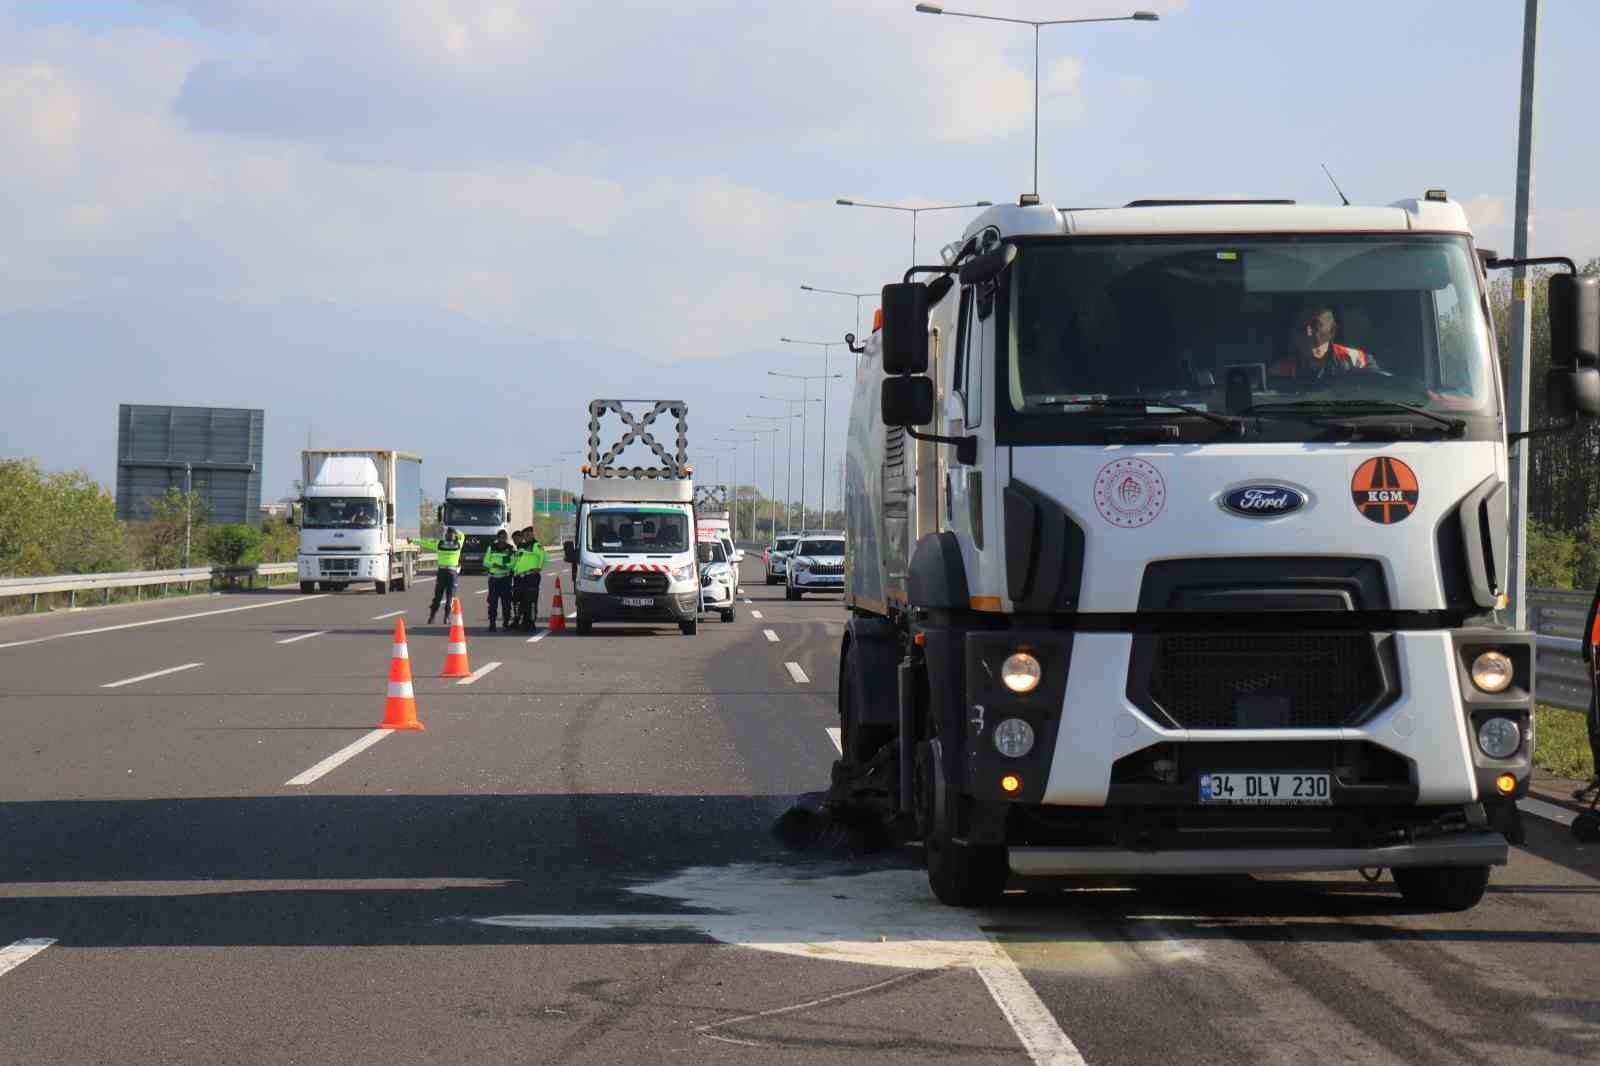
(400, 708)
(455, 649)
(558, 612)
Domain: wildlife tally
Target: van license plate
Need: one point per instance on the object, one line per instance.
(638, 601)
(1277, 790)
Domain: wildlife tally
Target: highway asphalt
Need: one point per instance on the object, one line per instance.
(573, 864)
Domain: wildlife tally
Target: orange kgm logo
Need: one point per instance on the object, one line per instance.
(1384, 490)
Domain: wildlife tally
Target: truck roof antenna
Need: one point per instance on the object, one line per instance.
(1336, 188)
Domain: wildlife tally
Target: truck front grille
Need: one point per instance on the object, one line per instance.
(1265, 680)
(339, 566)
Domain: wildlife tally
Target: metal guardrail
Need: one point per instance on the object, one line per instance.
(1558, 617)
(72, 584)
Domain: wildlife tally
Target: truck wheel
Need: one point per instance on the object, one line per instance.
(966, 875)
(728, 615)
(690, 628)
(1442, 888)
(380, 587)
(308, 586)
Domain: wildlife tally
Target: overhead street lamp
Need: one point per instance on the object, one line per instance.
(805, 438)
(772, 481)
(858, 296)
(913, 212)
(827, 350)
(1137, 16)
(735, 501)
(788, 477)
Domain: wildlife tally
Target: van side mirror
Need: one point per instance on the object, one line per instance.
(569, 551)
(906, 401)
(905, 328)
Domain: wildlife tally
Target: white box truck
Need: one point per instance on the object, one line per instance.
(1178, 544)
(360, 514)
(480, 505)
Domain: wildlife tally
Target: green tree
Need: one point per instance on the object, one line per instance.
(160, 538)
(1552, 557)
(58, 523)
(231, 545)
(280, 540)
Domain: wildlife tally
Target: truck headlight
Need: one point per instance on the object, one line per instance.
(1491, 671)
(1021, 672)
(1013, 738)
(1499, 737)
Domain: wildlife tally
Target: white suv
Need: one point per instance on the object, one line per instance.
(777, 556)
(815, 565)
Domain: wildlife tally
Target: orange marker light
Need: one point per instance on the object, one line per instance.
(1011, 783)
(877, 320)
(920, 640)
(1506, 783)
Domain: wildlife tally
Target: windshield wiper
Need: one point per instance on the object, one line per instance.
(1454, 426)
(1143, 403)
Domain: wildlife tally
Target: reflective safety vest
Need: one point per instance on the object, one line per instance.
(528, 560)
(497, 561)
(449, 552)
(1338, 359)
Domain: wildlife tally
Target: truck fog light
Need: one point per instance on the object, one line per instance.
(1011, 783)
(1506, 784)
(1021, 672)
(1013, 738)
(1499, 737)
(1491, 671)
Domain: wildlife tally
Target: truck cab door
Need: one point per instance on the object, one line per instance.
(969, 490)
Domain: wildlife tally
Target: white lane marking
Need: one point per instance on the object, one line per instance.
(1548, 811)
(481, 592)
(747, 599)
(159, 621)
(486, 668)
(741, 592)
(770, 635)
(147, 677)
(20, 951)
(391, 614)
(571, 616)
(538, 637)
(306, 636)
(344, 754)
(1030, 1019)
(755, 614)
(795, 672)
(420, 580)
(835, 736)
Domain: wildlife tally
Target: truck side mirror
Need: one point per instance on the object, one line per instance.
(906, 401)
(569, 551)
(388, 512)
(905, 328)
(1573, 385)
(1573, 391)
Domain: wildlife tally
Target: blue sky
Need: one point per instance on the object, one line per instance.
(655, 183)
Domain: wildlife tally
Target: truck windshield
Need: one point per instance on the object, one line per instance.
(619, 530)
(1290, 332)
(474, 513)
(340, 512)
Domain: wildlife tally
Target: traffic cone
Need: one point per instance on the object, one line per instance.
(455, 649)
(558, 612)
(400, 708)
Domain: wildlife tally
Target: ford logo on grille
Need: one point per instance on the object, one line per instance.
(1263, 501)
(638, 581)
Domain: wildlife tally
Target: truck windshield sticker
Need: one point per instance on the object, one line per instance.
(1385, 490)
(1130, 493)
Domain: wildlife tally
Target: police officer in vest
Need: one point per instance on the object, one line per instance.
(497, 564)
(449, 567)
(527, 568)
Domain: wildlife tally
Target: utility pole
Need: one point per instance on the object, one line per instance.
(188, 509)
(1522, 320)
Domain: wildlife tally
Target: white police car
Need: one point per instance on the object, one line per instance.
(816, 565)
(716, 578)
(777, 555)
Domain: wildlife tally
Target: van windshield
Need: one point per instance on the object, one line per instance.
(625, 530)
(1280, 329)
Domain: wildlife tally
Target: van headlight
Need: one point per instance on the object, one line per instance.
(1491, 671)
(683, 573)
(593, 573)
(1021, 673)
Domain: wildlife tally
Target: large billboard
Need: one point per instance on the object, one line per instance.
(215, 451)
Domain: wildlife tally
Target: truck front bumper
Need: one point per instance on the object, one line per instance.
(1463, 849)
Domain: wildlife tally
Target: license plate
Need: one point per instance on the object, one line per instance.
(1276, 790)
(638, 601)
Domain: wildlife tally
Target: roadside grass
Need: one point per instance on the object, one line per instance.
(1563, 743)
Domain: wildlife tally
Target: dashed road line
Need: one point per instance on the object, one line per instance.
(537, 637)
(391, 614)
(159, 621)
(482, 671)
(20, 951)
(747, 599)
(1041, 1036)
(339, 757)
(770, 635)
(834, 735)
(755, 614)
(798, 674)
(147, 677)
(306, 636)
(481, 592)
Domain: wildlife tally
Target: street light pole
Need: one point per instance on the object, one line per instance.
(1522, 319)
(827, 350)
(859, 296)
(788, 422)
(935, 9)
(913, 212)
(788, 477)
